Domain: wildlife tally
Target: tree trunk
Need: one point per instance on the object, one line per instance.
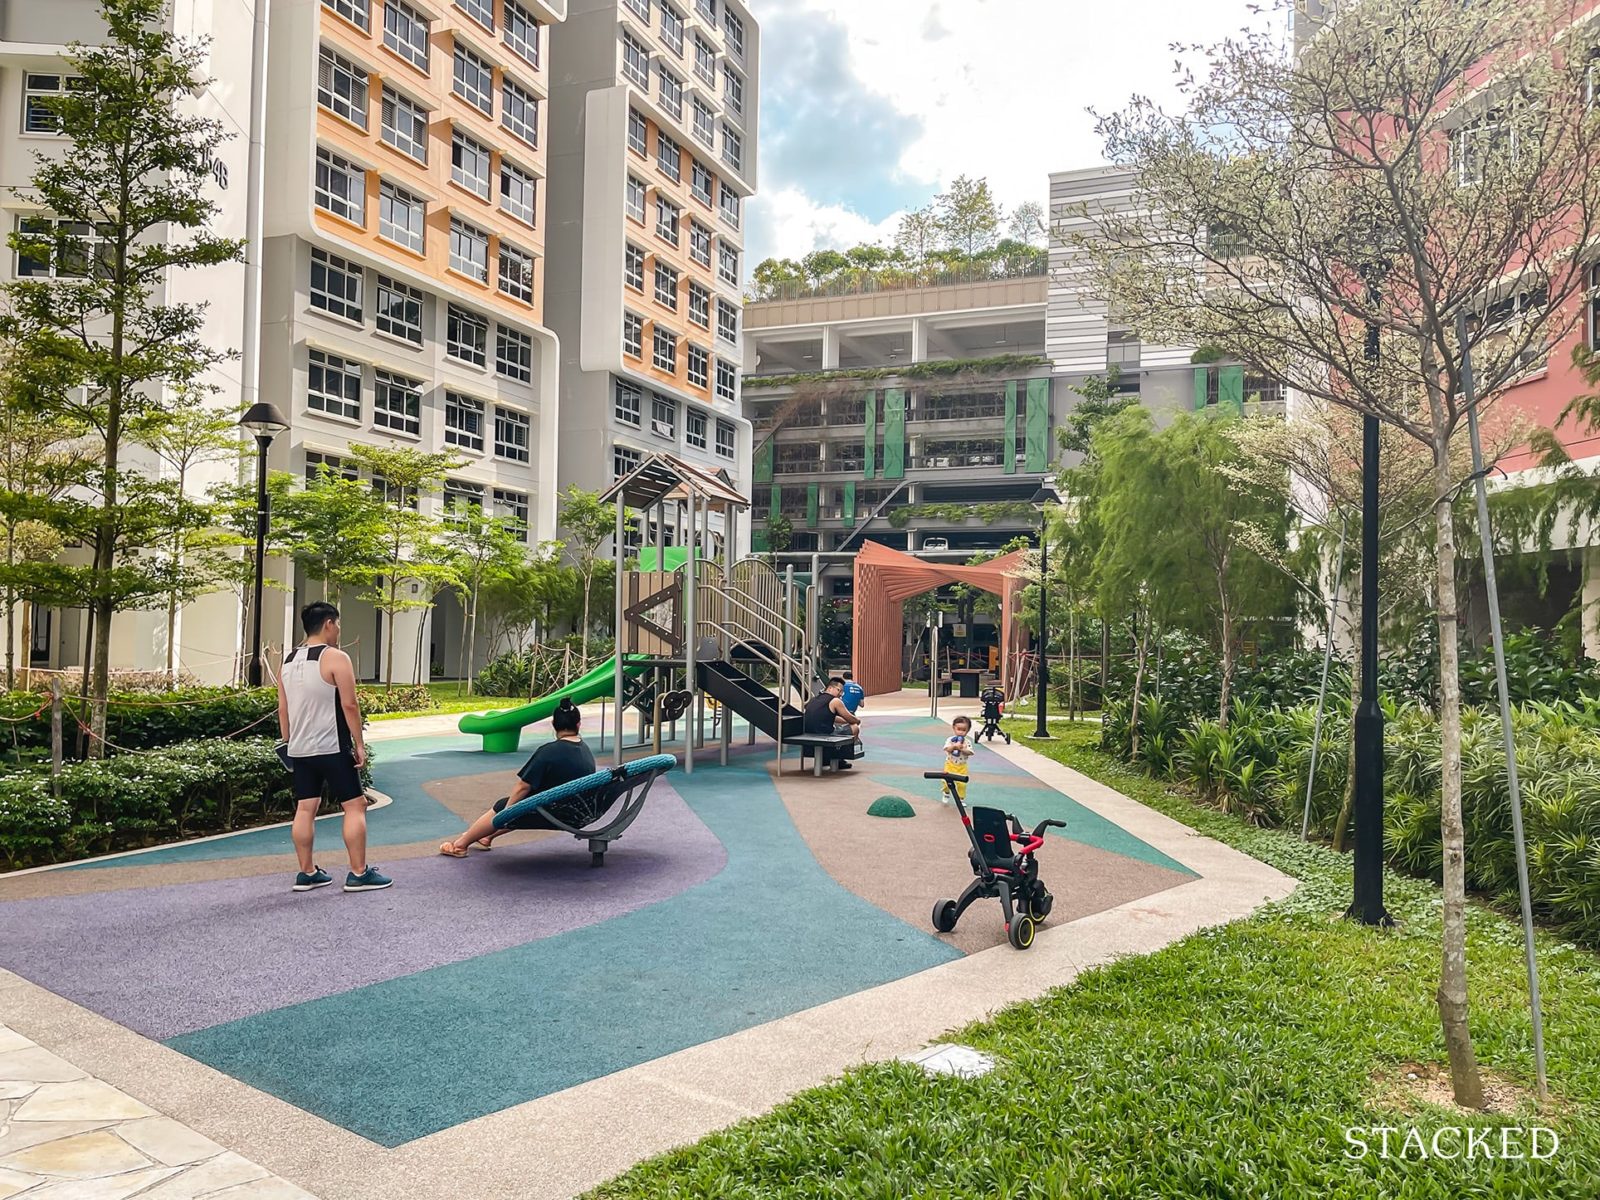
(588, 588)
(471, 634)
(27, 644)
(11, 611)
(1464, 1077)
(1142, 650)
(393, 612)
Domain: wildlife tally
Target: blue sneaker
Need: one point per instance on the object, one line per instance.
(308, 883)
(368, 881)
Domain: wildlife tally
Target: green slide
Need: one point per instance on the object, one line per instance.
(502, 729)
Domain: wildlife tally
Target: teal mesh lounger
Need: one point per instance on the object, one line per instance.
(597, 808)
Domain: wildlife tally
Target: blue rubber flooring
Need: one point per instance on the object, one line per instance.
(770, 935)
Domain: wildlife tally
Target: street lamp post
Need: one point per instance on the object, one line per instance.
(1043, 499)
(265, 421)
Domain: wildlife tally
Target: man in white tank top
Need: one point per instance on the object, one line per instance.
(320, 718)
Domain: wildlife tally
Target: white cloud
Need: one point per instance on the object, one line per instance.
(786, 223)
(1001, 88)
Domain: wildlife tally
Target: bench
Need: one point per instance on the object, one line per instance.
(810, 743)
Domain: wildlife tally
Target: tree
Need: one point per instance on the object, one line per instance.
(917, 236)
(588, 523)
(1100, 400)
(1383, 179)
(774, 278)
(133, 166)
(1027, 224)
(185, 436)
(822, 266)
(482, 548)
(969, 217)
(400, 475)
(333, 527)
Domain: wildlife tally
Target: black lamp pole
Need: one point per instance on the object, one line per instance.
(1041, 731)
(264, 421)
(1367, 903)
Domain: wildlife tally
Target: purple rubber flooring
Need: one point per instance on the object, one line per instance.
(190, 957)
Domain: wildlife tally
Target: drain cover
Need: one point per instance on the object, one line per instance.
(945, 1059)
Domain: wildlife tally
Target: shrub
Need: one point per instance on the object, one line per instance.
(410, 697)
(143, 720)
(536, 670)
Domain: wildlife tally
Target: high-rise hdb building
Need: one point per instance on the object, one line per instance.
(654, 114)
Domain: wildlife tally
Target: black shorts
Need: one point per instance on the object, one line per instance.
(334, 772)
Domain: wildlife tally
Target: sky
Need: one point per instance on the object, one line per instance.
(870, 107)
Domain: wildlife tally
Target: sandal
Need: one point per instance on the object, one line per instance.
(451, 850)
(483, 844)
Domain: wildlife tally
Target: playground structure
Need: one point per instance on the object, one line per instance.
(885, 579)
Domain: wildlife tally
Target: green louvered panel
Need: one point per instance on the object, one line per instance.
(1010, 456)
(870, 405)
(1038, 428)
(1230, 389)
(758, 540)
(763, 463)
(811, 506)
(894, 434)
(1201, 383)
(848, 506)
(777, 501)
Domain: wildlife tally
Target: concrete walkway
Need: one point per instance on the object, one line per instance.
(548, 1147)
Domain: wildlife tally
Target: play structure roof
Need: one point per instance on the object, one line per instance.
(668, 477)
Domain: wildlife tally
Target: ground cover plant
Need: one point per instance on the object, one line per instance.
(1229, 1064)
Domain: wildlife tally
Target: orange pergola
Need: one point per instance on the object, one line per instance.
(885, 579)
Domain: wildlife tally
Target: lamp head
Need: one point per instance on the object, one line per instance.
(263, 420)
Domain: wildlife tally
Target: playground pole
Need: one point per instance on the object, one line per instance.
(621, 554)
(690, 630)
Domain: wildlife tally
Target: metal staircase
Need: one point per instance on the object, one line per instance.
(873, 515)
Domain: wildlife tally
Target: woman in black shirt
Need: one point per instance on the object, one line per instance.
(561, 761)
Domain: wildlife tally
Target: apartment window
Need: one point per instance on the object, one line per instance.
(463, 421)
(624, 459)
(725, 438)
(474, 80)
(522, 32)
(333, 385)
(405, 125)
(732, 147)
(699, 243)
(633, 334)
(700, 184)
(666, 350)
(401, 216)
(405, 31)
(663, 416)
(699, 304)
(469, 164)
(469, 250)
(707, 9)
(1123, 349)
(668, 157)
(335, 286)
(633, 205)
(513, 507)
(699, 366)
(341, 187)
(1594, 308)
(515, 276)
(466, 335)
(398, 311)
(728, 264)
(396, 403)
(513, 354)
(694, 421)
(705, 126)
(481, 11)
(519, 112)
(627, 403)
(342, 87)
(727, 321)
(705, 61)
(641, 7)
(671, 28)
(460, 498)
(511, 434)
(728, 202)
(633, 268)
(354, 11)
(37, 92)
(667, 216)
(519, 193)
(733, 90)
(70, 249)
(635, 60)
(666, 286)
(1473, 146)
(734, 28)
(670, 89)
(727, 380)
(327, 466)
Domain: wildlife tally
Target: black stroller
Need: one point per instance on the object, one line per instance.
(994, 705)
(1002, 858)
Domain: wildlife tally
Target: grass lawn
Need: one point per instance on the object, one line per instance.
(1227, 1065)
(445, 700)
